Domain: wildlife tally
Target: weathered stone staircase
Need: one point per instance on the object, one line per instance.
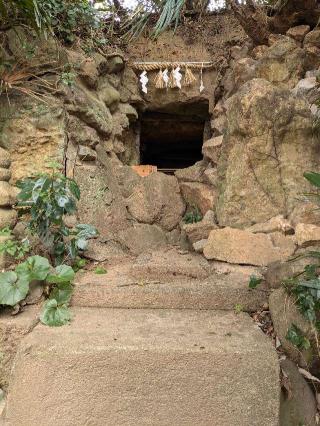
(149, 347)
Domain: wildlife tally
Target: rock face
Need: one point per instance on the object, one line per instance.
(268, 145)
(243, 247)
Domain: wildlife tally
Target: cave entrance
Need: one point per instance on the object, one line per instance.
(171, 140)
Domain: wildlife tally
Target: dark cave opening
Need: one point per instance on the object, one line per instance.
(171, 141)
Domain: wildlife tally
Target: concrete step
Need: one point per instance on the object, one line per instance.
(122, 288)
(117, 367)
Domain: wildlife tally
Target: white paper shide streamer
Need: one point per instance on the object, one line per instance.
(201, 88)
(165, 77)
(177, 76)
(144, 81)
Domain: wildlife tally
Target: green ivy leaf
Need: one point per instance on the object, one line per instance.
(62, 293)
(313, 178)
(296, 337)
(5, 232)
(99, 270)
(13, 289)
(54, 314)
(63, 274)
(82, 244)
(74, 189)
(34, 268)
(254, 281)
(86, 231)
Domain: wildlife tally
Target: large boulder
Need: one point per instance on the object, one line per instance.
(243, 247)
(157, 199)
(268, 146)
(283, 63)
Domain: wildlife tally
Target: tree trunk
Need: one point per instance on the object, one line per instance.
(252, 19)
(258, 25)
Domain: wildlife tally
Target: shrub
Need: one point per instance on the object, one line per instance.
(47, 199)
(14, 287)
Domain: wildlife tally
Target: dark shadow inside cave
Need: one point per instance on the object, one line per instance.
(171, 140)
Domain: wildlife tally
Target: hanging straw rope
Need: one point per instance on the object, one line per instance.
(154, 66)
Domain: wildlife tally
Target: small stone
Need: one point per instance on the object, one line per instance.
(259, 51)
(115, 64)
(8, 217)
(305, 85)
(274, 38)
(3, 256)
(312, 39)
(118, 146)
(305, 213)
(7, 194)
(110, 96)
(307, 234)
(87, 154)
(212, 148)
(198, 231)
(210, 176)
(312, 57)
(209, 217)
(5, 174)
(198, 246)
(277, 223)
(4, 158)
(35, 293)
(219, 124)
(191, 174)
(299, 32)
(239, 52)
(129, 111)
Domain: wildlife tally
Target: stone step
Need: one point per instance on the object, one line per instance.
(146, 367)
(119, 289)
